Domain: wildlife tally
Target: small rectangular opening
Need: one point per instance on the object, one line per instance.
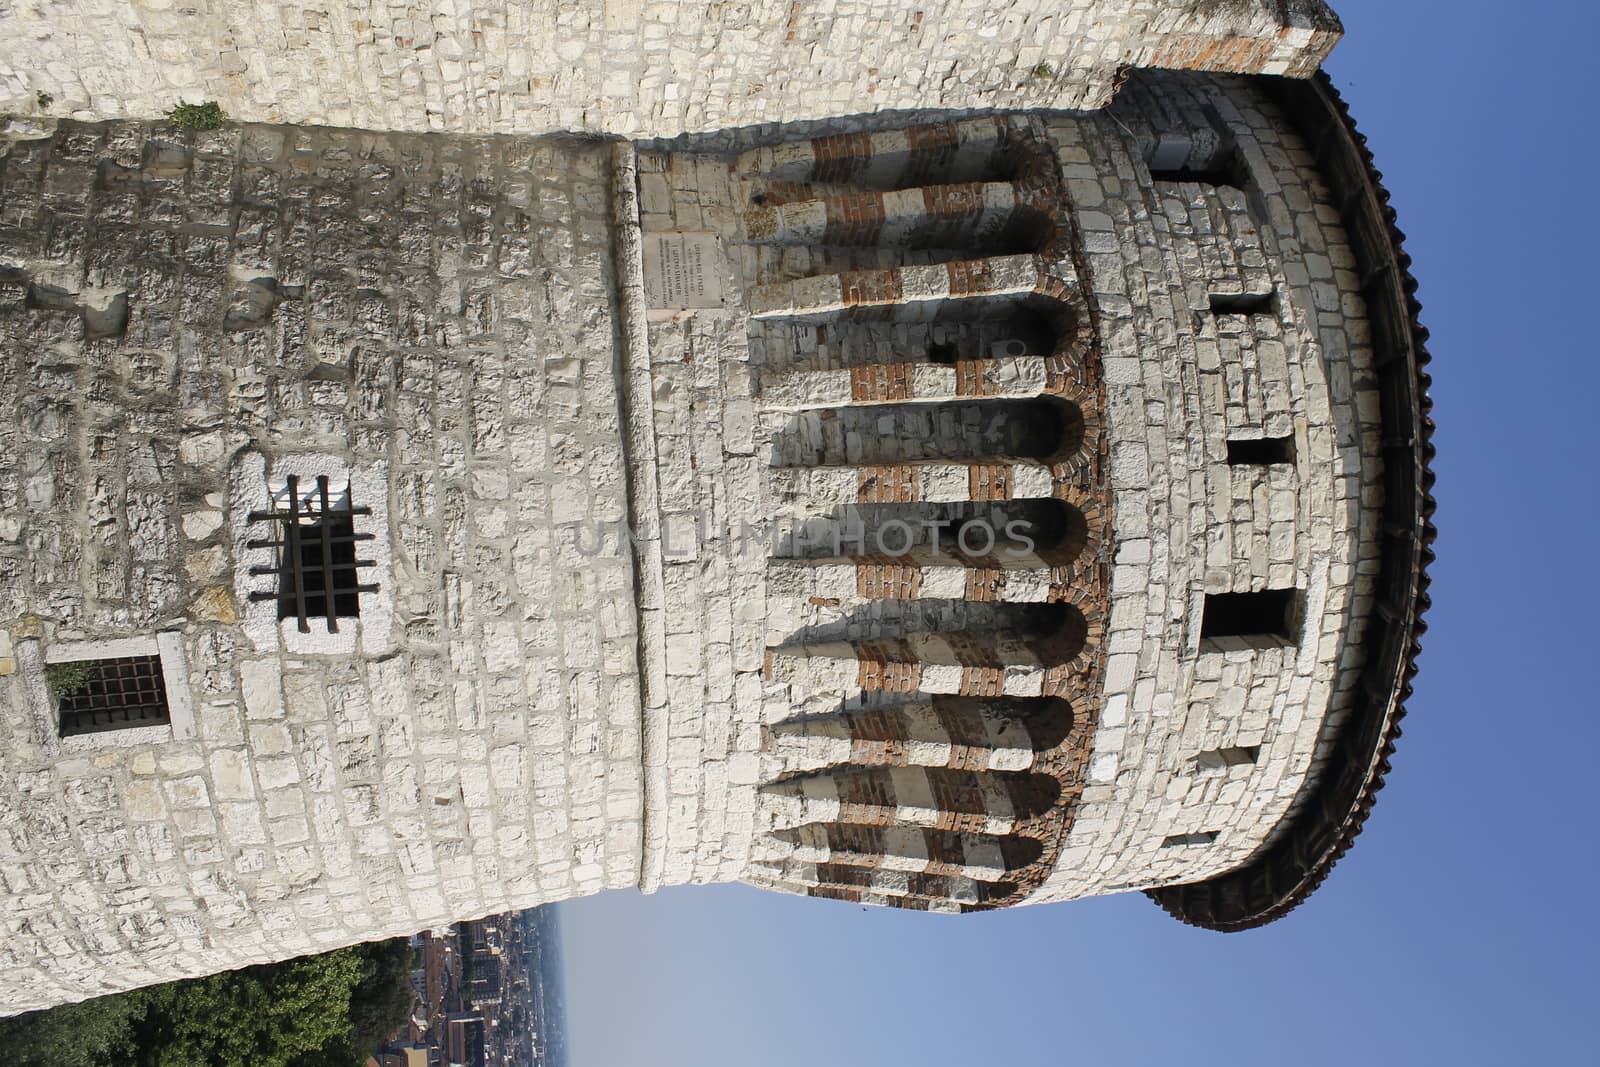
(1245, 451)
(1267, 614)
(1241, 303)
(327, 545)
(1221, 760)
(1204, 837)
(108, 694)
(317, 567)
(1221, 172)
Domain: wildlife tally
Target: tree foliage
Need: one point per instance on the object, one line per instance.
(315, 1011)
(269, 1016)
(381, 1004)
(89, 1034)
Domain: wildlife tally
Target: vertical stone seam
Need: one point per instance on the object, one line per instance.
(644, 507)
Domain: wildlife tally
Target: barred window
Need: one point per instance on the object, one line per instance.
(317, 565)
(108, 694)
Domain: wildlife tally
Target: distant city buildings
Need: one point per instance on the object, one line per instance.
(486, 995)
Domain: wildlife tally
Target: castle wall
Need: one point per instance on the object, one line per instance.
(620, 66)
(184, 321)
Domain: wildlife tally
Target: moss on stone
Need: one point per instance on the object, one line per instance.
(65, 679)
(206, 116)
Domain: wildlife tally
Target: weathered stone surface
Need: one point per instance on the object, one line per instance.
(430, 352)
(624, 66)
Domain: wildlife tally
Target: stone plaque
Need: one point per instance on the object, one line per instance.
(683, 270)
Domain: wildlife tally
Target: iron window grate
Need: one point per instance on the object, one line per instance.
(109, 694)
(317, 567)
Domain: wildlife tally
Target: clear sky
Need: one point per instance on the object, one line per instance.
(1459, 930)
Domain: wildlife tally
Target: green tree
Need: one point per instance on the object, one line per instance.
(91, 1034)
(315, 1011)
(267, 1016)
(380, 1005)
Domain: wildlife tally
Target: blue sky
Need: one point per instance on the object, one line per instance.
(1459, 930)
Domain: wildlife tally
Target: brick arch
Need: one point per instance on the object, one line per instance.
(939, 798)
(1011, 865)
(1060, 532)
(959, 732)
(865, 201)
(993, 218)
(1086, 606)
(917, 850)
(1008, 343)
(838, 879)
(1080, 569)
(1043, 429)
(990, 148)
(889, 888)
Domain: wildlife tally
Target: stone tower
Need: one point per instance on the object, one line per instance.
(946, 510)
